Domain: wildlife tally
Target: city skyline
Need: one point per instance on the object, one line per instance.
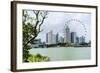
(56, 21)
(54, 38)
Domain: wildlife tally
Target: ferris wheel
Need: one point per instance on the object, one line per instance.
(77, 25)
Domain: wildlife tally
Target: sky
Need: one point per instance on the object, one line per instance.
(57, 21)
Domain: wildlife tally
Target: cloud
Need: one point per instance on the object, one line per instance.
(56, 21)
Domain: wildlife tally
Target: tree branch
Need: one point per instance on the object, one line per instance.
(36, 13)
(41, 23)
(30, 40)
(38, 23)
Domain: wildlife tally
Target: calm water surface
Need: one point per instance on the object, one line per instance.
(64, 53)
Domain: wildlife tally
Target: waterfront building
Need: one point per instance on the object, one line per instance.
(46, 37)
(61, 40)
(77, 40)
(67, 35)
(82, 39)
(57, 36)
(73, 37)
(49, 37)
(54, 39)
(36, 43)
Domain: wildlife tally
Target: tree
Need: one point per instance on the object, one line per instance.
(32, 21)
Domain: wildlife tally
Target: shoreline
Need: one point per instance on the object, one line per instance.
(59, 47)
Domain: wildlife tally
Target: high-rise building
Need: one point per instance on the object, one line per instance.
(82, 39)
(49, 37)
(77, 40)
(46, 37)
(67, 35)
(61, 39)
(54, 39)
(57, 36)
(73, 37)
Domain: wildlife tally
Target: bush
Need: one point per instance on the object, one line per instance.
(37, 58)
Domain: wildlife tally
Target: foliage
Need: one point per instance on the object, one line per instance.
(37, 58)
(31, 28)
